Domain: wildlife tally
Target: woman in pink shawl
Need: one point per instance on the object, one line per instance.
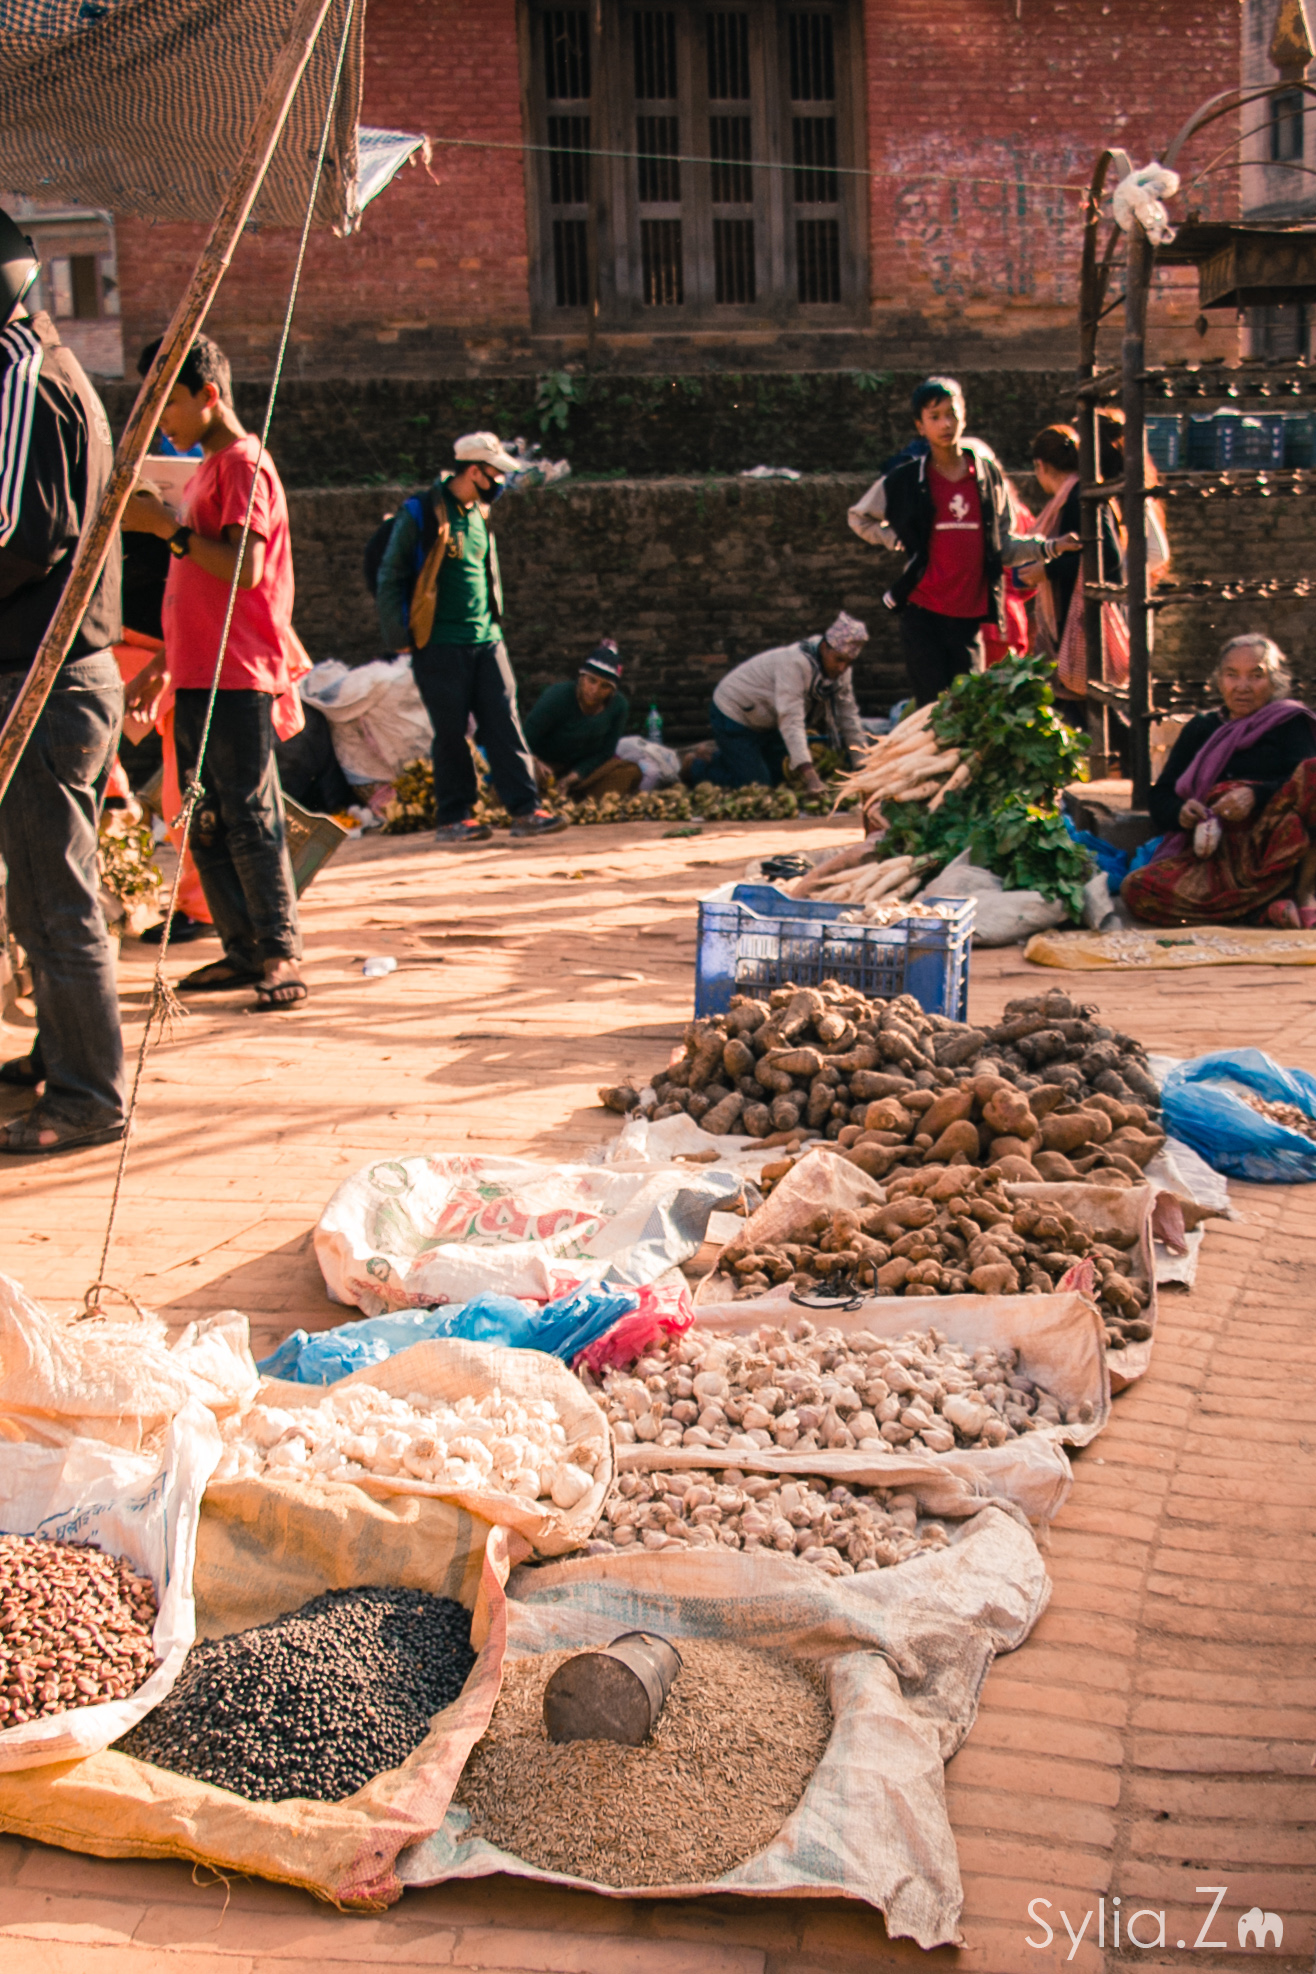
(1238, 800)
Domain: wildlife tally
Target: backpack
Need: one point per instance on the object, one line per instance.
(421, 509)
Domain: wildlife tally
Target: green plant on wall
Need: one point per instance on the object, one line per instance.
(555, 393)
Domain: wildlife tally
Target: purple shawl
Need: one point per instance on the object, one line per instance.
(1208, 764)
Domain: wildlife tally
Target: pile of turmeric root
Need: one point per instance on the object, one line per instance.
(950, 1230)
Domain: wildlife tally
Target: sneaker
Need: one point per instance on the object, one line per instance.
(540, 822)
(470, 831)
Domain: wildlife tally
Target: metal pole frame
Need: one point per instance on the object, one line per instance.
(94, 544)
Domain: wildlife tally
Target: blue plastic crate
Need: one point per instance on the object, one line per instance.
(1213, 440)
(1300, 439)
(759, 939)
(1165, 442)
(1260, 440)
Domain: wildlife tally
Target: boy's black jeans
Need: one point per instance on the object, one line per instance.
(238, 836)
(937, 649)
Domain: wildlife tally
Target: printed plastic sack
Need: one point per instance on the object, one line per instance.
(408, 1232)
(563, 1328)
(1203, 1104)
(376, 715)
(347, 1852)
(660, 767)
(137, 1505)
(664, 1313)
(903, 1652)
(65, 1377)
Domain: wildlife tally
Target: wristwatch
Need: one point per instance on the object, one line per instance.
(180, 541)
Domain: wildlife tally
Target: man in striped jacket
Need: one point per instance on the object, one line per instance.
(55, 457)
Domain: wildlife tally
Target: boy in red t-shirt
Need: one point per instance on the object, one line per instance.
(946, 504)
(238, 834)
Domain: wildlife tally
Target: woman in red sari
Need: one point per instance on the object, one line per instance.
(1238, 800)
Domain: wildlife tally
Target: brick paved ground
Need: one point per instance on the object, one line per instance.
(1153, 1736)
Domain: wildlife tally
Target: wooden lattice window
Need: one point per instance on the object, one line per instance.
(695, 162)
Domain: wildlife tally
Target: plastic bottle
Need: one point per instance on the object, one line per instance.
(653, 726)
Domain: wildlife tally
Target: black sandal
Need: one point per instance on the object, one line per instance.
(23, 1072)
(220, 977)
(271, 996)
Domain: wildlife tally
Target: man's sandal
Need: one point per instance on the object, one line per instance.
(220, 977)
(22, 1072)
(279, 994)
(38, 1132)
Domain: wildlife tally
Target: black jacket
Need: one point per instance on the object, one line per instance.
(55, 458)
(897, 512)
(1267, 763)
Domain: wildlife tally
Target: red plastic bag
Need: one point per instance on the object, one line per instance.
(664, 1312)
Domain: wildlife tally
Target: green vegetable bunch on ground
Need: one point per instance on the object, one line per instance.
(1021, 755)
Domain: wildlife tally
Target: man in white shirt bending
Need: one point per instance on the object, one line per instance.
(763, 711)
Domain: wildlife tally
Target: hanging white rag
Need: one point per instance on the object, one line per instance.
(1139, 196)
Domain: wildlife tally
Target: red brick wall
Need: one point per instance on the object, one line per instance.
(448, 255)
(981, 111)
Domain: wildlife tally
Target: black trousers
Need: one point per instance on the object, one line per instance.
(238, 836)
(456, 680)
(937, 649)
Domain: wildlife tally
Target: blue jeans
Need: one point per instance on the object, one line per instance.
(48, 825)
(456, 680)
(238, 836)
(744, 754)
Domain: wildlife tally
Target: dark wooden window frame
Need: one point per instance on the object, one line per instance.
(777, 238)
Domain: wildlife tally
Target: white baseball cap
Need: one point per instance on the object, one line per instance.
(489, 449)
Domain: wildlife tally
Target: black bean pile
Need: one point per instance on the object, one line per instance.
(316, 1703)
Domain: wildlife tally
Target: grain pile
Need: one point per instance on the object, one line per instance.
(729, 1759)
(950, 1230)
(75, 1628)
(495, 1443)
(316, 1703)
(808, 1391)
(842, 1530)
(1286, 1115)
(812, 1062)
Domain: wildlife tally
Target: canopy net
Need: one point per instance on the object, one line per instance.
(142, 106)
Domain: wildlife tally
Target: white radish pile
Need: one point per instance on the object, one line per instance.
(808, 1391)
(906, 765)
(844, 1531)
(889, 882)
(495, 1443)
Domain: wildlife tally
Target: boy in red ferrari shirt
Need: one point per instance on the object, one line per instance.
(948, 510)
(238, 835)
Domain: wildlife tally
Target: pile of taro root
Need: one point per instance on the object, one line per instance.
(804, 1390)
(950, 1230)
(1049, 1093)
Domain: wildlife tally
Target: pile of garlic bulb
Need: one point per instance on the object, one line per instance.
(845, 1531)
(496, 1443)
(806, 1390)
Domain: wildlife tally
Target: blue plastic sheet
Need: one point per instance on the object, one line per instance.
(561, 1328)
(1201, 1105)
(1107, 856)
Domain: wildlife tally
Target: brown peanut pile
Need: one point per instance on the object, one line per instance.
(842, 1530)
(75, 1628)
(1287, 1115)
(949, 1230)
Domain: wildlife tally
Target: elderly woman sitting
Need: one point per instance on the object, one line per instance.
(1238, 796)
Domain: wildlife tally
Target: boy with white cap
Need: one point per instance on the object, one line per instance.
(440, 597)
(763, 710)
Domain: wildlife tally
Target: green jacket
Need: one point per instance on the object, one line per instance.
(410, 547)
(566, 739)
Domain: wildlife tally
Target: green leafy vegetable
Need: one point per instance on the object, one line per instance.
(1006, 720)
(1030, 849)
